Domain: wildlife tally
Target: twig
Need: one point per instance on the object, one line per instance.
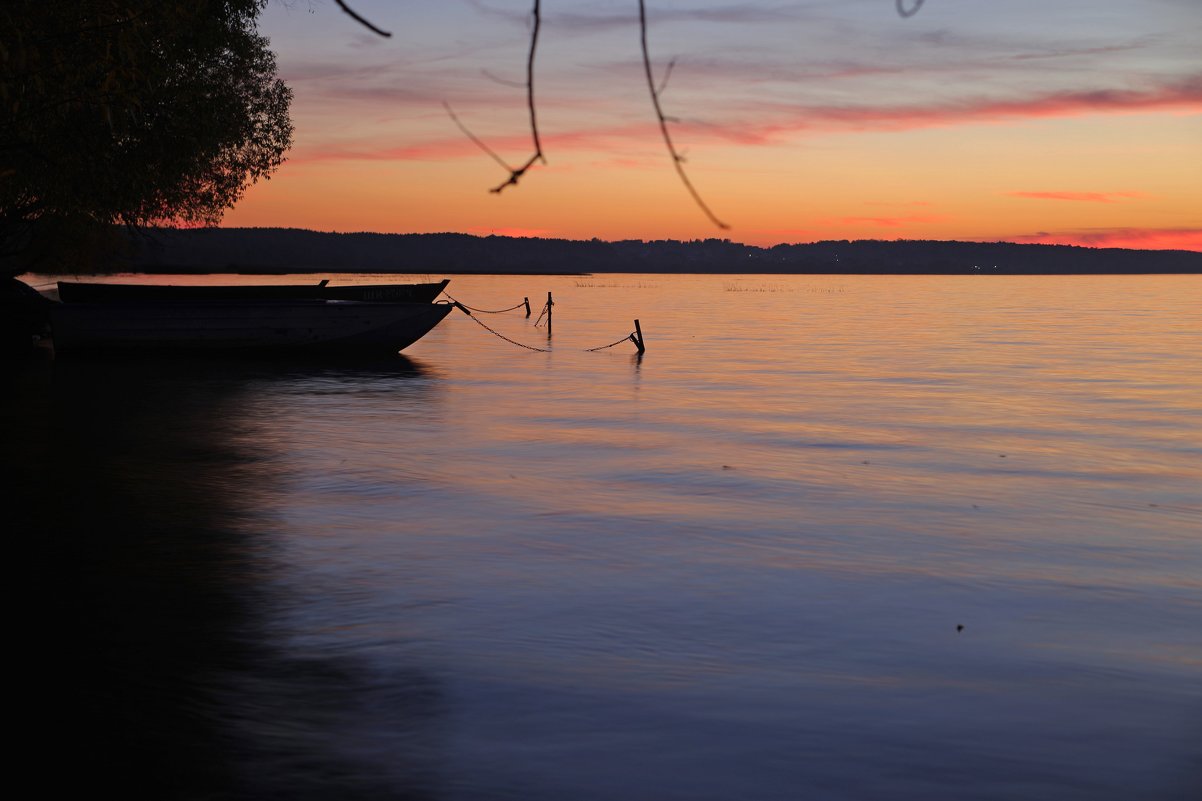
(901, 8)
(476, 139)
(515, 175)
(362, 21)
(502, 81)
(677, 159)
(663, 84)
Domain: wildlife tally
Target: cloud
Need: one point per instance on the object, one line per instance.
(1069, 51)
(766, 122)
(431, 150)
(884, 222)
(1184, 238)
(361, 40)
(1185, 94)
(509, 231)
(731, 13)
(514, 147)
(1082, 197)
(786, 234)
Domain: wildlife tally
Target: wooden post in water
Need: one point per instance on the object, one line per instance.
(638, 330)
(550, 303)
(527, 302)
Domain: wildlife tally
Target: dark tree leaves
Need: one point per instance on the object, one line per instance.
(129, 112)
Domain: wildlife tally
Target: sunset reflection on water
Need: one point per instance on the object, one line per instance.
(735, 567)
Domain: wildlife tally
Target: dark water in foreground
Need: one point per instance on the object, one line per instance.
(735, 569)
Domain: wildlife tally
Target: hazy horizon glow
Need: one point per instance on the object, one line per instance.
(1076, 124)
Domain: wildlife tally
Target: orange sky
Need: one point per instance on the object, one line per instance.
(1078, 124)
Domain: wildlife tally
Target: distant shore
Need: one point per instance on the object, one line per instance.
(275, 251)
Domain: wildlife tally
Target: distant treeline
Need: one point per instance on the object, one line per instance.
(288, 250)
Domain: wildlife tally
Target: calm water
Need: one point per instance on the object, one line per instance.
(832, 537)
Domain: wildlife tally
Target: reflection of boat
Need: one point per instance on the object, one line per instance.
(288, 325)
(95, 292)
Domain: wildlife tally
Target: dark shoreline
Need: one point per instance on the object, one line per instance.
(168, 270)
(276, 251)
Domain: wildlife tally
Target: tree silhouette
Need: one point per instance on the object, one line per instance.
(129, 112)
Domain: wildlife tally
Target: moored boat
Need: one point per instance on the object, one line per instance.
(241, 325)
(100, 292)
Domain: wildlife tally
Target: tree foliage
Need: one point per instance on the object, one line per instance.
(129, 112)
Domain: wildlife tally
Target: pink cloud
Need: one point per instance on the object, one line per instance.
(884, 222)
(1085, 197)
(778, 123)
(510, 231)
(514, 147)
(1143, 238)
(1185, 95)
(784, 234)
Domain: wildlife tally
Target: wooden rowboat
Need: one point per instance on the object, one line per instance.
(276, 325)
(97, 292)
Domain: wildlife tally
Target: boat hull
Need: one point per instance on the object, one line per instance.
(299, 326)
(95, 292)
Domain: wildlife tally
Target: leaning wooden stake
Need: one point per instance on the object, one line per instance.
(638, 331)
(527, 302)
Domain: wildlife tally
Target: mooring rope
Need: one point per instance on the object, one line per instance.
(543, 313)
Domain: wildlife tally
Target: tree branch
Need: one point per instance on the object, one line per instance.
(515, 175)
(677, 159)
(477, 139)
(502, 81)
(350, 12)
(663, 84)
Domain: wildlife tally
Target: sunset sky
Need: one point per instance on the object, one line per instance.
(1067, 121)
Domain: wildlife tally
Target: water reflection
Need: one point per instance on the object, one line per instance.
(146, 653)
(737, 569)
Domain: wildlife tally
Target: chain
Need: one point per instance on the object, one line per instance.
(486, 311)
(507, 339)
(628, 338)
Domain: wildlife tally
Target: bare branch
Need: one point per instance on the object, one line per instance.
(364, 22)
(503, 81)
(516, 174)
(538, 148)
(677, 159)
(476, 139)
(667, 74)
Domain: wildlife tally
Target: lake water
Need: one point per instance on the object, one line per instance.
(831, 537)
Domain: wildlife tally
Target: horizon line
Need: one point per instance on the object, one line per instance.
(1011, 242)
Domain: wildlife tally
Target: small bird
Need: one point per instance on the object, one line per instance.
(959, 627)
